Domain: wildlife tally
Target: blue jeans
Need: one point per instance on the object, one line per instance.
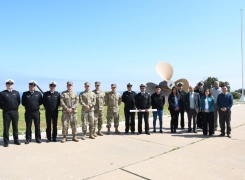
(159, 113)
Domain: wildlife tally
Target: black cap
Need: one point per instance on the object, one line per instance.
(200, 84)
(157, 86)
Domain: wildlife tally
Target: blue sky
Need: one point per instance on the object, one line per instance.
(118, 41)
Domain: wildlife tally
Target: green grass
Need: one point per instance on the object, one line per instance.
(22, 124)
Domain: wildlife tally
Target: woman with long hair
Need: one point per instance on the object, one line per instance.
(175, 103)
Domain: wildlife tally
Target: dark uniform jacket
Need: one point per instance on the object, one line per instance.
(51, 101)
(143, 102)
(201, 93)
(182, 93)
(32, 101)
(9, 100)
(157, 101)
(171, 102)
(128, 98)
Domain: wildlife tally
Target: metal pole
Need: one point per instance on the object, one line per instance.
(242, 97)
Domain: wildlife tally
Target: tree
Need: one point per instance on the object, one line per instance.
(209, 83)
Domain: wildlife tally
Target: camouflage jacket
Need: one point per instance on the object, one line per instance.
(113, 101)
(87, 98)
(69, 99)
(100, 100)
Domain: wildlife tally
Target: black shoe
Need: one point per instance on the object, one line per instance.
(160, 131)
(17, 142)
(222, 134)
(148, 133)
(139, 133)
(126, 132)
(194, 131)
(54, 140)
(228, 135)
(27, 141)
(189, 131)
(172, 130)
(5, 145)
(38, 141)
(175, 131)
(48, 141)
(154, 131)
(182, 127)
(132, 132)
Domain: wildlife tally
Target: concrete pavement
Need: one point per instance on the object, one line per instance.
(158, 156)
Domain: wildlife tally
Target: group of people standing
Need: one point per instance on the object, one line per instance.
(203, 105)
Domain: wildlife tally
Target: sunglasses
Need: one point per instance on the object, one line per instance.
(52, 85)
(31, 84)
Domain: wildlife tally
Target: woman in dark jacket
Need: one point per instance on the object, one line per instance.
(175, 102)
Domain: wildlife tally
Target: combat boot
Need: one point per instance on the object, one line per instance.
(64, 139)
(75, 138)
(116, 131)
(84, 136)
(91, 135)
(100, 133)
(94, 134)
(108, 131)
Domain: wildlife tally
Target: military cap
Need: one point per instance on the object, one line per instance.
(113, 85)
(9, 81)
(86, 84)
(69, 83)
(97, 83)
(200, 83)
(53, 83)
(32, 82)
(129, 84)
(142, 85)
(180, 84)
(157, 86)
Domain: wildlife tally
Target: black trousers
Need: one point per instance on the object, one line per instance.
(174, 119)
(225, 118)
(35, 116)
(146, 119)
(199, 120)
(7, 118)
(51, 118)
(182, 119)
(129, 120)
(208, 121)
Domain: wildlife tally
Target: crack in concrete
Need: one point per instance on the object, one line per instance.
(134, 174)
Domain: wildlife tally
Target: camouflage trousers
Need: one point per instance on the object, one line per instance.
(112, 115)
(87, 116)
(98, 119)
(69, 118)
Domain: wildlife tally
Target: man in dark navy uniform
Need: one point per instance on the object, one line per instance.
(51, 102)
(143, 102)
(9, 103)
(182, 111)
(128, 98)
(200, 91)
(31, 100)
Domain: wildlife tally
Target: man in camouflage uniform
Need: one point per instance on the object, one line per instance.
(87, 99)
(98, 109)
(69, 103)
(113, 100)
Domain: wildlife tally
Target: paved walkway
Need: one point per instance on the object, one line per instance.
(124, 157)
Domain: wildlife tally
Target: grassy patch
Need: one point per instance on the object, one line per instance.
(22, 124)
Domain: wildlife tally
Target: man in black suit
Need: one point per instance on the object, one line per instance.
(182, 111)
(143, 102)
(9, 103)
(200, 91)
(192, 107)
(31, 100)
(51, 102)
(128, 98)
